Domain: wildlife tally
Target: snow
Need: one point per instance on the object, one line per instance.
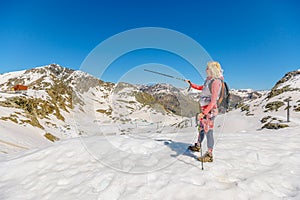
(145, 156)
(145, 163)
(14, 139)
(6, 76)
(294, 82)
(245, 93)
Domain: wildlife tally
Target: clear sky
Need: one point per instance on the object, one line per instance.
(256, 41)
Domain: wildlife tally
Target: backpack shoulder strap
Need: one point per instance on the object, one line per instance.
(223, 87)
(212, 80)
(226, 86)
(221, 94)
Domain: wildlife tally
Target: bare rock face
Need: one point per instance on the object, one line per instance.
(172, 99)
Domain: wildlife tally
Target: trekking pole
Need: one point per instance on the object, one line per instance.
(181, 79)
(200, 127)
(201, 157)
(167, 75)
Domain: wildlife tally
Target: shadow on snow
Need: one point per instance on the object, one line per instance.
(179, 148)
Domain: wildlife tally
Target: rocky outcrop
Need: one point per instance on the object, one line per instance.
(270, 122)
(277, 89)
(172, 99)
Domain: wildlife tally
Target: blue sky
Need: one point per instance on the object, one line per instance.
(256, 41)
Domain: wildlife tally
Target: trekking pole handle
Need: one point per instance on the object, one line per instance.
(190, 86)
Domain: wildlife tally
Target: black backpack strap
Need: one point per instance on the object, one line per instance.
(226, 86)
(227, 93)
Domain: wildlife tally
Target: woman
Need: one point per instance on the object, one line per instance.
(208, 102)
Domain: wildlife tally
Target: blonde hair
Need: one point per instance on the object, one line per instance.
(215, 70)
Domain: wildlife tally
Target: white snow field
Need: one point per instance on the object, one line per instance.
(146, 163)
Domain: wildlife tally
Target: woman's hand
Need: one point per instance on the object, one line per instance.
(200, 116)
(188, 81)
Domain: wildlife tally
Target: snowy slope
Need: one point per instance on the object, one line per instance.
(62, 103)
(141, 153)
(271, 107)
(248, 165)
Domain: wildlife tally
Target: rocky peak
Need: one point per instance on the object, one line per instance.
(287, 77)
(289, 82)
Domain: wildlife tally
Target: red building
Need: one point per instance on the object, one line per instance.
(20, 88)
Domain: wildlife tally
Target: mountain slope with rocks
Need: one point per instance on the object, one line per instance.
(127, 154)
(61, 103)
(272, 106)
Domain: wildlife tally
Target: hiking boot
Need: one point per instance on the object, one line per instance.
(206, 158)
(196, 147)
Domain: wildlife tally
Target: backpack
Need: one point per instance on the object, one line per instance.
(223, 100)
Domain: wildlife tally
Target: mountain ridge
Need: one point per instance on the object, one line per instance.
(63, 103)
(272, 106)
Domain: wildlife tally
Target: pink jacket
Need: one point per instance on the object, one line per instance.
(215, 90)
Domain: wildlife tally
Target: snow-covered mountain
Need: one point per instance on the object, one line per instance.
(241, 95)
(178, 101)
(272, 106)
(62, 103)
(141, 151)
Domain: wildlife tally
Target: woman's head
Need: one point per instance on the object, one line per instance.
(214, 69)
